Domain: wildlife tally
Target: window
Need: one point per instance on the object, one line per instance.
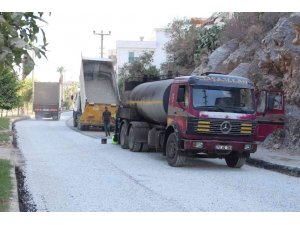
(276, 99)
(130, 57)
(182, 95)
(261, 104)
(237, 100)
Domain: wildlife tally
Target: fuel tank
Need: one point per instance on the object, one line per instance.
(151, 100)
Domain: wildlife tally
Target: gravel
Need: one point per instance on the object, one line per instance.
(68, 171)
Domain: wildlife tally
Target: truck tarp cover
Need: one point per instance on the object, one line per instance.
(46, 93)
(99, 82)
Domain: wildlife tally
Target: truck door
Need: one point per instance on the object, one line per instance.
(179, 102)
(269, 113)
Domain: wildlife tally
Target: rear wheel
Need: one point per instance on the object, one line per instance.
(55, 117)
(132, 144)
(235, 161)
(37, 116)
(123, 137)
(174, 156)
(75, 121)
(145, 147)
(79, 126)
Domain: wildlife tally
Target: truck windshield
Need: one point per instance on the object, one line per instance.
(237, 100)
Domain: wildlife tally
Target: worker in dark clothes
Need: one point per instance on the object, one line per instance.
(106, 120)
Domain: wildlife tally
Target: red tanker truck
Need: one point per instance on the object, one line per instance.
(212, 115)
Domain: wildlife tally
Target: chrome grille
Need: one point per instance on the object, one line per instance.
(237, 127)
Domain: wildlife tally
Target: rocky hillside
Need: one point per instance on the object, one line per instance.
(273, 60)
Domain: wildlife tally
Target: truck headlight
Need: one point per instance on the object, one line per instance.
(198, 144)
(247, 147)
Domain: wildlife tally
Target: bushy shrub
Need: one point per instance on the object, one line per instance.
(249, 26)
(207, 41)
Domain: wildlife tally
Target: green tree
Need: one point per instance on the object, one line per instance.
(26, 92)
(140, 67)
(182, 45)
(207, 41)
(69, 90)
(61, 70)
(9, 89)
(19, 33)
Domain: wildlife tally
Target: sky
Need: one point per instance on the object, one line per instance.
(70, 27)
(70, 35)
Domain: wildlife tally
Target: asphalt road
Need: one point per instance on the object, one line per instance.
(68, 171)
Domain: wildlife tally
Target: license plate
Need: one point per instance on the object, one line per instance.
(223, 147)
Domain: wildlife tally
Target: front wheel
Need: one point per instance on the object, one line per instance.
(174, 156)
(235, 161)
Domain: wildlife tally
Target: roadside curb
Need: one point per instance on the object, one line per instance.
(292, 171)
(14, 202)
(14, 141)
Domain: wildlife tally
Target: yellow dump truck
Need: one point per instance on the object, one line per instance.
(98, 88)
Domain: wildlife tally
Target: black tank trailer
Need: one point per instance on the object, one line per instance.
(150, 100)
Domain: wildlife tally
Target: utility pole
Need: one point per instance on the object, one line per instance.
(102, 34)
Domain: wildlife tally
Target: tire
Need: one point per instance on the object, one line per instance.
(79, 125)
(174, 157)
(132, 144)
(123, 137)
(55, 117)
(75, 121)
(235, 161)
(145, 147)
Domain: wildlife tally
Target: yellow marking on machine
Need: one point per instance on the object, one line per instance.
(246, 125)
(203, 126)
(246, 128)
(204, 122)
(202, 130)
(145, 102)
(245, 132)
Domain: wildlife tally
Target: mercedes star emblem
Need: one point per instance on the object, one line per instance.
(225, 127)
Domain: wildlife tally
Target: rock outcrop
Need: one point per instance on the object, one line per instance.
(270, 62)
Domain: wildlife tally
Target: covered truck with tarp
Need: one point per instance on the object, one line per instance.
(98, 88)
(47, 100)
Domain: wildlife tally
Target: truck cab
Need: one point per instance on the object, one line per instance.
(217, 116)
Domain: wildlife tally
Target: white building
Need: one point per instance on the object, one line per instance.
(127, 51)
